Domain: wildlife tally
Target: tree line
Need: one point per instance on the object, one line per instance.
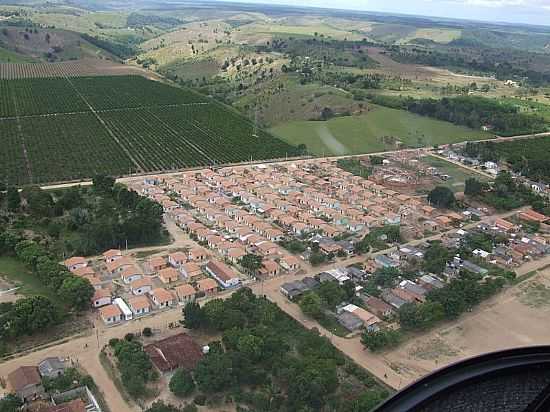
(471, 111)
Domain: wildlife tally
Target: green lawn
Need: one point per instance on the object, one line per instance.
(458, 174)
(8, 56)
(16, 272)
(373, 132)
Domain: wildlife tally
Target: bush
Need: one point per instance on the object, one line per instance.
(147, 332)
(182, 383)
(200, 400)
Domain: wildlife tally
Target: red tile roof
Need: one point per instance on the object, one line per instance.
(179, 351)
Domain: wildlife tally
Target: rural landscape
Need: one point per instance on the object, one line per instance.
(215, 206)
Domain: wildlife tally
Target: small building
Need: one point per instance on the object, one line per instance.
(157, 263)
(51, 367)
(169, 275)
(269, 268)
(110, 314)
(223, 274)
(84, 271)
(102, 297)
(141, 286)
(75, 262)
(293, 290)
(185, 293)
(370, 321)
(379, 307)
(208, 286)
(349, 321)
(174, 352)
(162, 298)
(198, 254)
(118, 265)
(289, 262)
(190, 271)
(139, 305)
(26, 383)
(384, 261)
(131, 274)
(124, 308)
(111, 255)
(177, 259)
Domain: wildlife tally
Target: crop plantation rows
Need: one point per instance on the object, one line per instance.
(58, 129)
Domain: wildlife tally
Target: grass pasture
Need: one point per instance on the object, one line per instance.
(458, 174)
(18, 274)
(375, 131)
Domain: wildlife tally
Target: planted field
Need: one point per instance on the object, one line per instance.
(60, 129)
(379, 130)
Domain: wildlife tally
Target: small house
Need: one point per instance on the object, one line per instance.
(124, 308)
(162, 298)
(110, 314)
(51, 367)
(185, 293)
(157, 263)
(117, 266)
(225, 276)
(139, 305)
(208, 286)
(168, 275)
(141, 286)
(26, 383)
(131, 274)
(177, 259)
(102, 297)
(111, 255)
(75, 263)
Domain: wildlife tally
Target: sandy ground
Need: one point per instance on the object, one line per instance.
(517, 317)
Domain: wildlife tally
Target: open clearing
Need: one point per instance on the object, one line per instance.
(458, 175)
(373, 132)
(14, 273)
(497, 324)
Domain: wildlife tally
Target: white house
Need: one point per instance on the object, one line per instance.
(110, 314)
(102, 297)
(131, 274)
(223, 274)
(139, 305)
(141, 286)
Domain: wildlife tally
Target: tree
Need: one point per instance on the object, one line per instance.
(420, 316)
(77, 292)
(103, 184)
(13, 199)
(331, 293)
(160, 406)
(473, 187)
(214, 373)
(39, 202)
(310, 304)
(10, 403)
(369, 400)
(182, 383)
(194, 316)
(380, 339)
(252, 263)
(442, 197)
(436, 257)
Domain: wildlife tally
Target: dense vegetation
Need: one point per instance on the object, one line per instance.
(506, 194)
(118, 125)
(527, 156)
(472, 111)
(134, 366)
(501, 63)
(282, 366)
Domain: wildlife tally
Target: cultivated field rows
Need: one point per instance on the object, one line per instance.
(71, 128)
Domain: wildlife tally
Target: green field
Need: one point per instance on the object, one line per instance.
(70, 129)
(373, 132)
(17, 273)
(458, 174)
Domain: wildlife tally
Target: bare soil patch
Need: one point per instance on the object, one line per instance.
(517, 317)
